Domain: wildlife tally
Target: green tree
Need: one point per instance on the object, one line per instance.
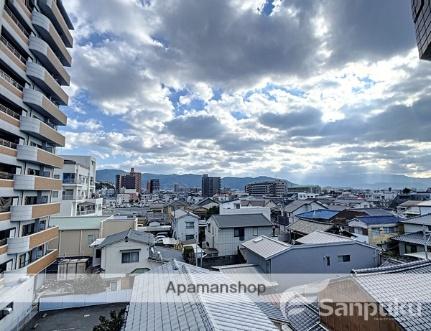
(113, 324)
(212, 211)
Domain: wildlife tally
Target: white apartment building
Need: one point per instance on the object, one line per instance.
(185, 225)
(34, 37)
(78, 196)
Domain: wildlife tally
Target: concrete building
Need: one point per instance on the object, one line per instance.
(210, 186)
(130, 181)
(421, 12)
(225, 233)
(33, 53)
(78, 196)
(153, 185)
(320, 252)
(275, 188)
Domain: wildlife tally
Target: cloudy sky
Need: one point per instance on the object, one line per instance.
(295, 89)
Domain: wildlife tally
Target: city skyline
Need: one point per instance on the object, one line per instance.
(345, 93)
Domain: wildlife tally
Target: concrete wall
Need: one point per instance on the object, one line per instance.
(74, 242)
(110, 226)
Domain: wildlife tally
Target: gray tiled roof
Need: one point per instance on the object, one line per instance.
(303, 315)
(420, 220)
(294, 205)
(241, 220)
(266, 247)
(405, 283)
(307, 227)
(139, 236)
(412, 238)
(190, 311)
(319, 237)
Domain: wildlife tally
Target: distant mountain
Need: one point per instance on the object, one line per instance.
(188, 180)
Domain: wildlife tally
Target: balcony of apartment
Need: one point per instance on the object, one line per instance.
(43, 131)
(28, 212)
(51, 9)
(3, 248)
(11, 84)
(38, 101)
(8, 115)
(23, 7)
(12, 52)
(47, 30)
(22, 244)
(8, 148)
(47, 83)
(36, 183)
(37, 155)
(42, 263)
(15, 24)
(47, 57)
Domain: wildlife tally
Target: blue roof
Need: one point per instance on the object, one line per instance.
(325, 214)
(372, 220)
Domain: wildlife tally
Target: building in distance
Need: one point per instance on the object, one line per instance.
(130, 181)
(153, 185)
(210, 186)
(421, 11)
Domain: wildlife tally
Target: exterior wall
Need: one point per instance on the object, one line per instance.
(180, 229)
(111, 257)
(308, 207)
(74, 242)
(265, 211)
(109, 227)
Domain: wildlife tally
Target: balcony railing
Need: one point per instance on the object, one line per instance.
(8, 143)
(16, 21)
(13, 50)
(10, 80)
(6, 175)
(85, 212)
(9, 111)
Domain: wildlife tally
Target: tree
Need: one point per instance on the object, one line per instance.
(113, 324)
(212, 211)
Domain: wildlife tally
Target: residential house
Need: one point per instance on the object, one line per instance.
(375, 230)
(225, 233)
(195, 311)
(299, 206)
(319, 215)
(260, 206)
(412, 208)
(304, 227)
(319, 252)
(202, 207)
(185, 225)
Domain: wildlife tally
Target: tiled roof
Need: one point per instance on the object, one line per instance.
(294, 205)
(374, 211)
(325, 214)
(303, 315)
(178, 213)
(412, 238)
(419, 220)
(241, 220)
(266, 247)
(307, 227)
(375, 220)
(319, 237)
(404, 283)
(139, 236)
(190, 311)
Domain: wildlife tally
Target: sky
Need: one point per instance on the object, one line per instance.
(293, 89)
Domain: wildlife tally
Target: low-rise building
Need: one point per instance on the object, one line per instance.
(298, 207)
(185, 225)
(225, 233)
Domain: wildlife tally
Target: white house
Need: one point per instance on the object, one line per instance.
(225, 233)
(185, 225)
(300, 206)
(242, 207)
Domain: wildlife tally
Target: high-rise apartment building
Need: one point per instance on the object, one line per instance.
(421, 12)
(210, 185)
(275, 188)
(34, 42)
(130, 181)
(153, 185)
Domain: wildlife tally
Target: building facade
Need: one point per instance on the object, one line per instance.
(421, 11)
(153, 185)
(274, 188)
(34, 44)
(130, 181)
(210, 186)
(78, 196)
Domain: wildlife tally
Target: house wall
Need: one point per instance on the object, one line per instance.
(265, 211)
(110, 226)
(74, 242)
(111, 257)
(308, 207)
(180, 230)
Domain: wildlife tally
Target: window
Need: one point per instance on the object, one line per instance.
(130, 257)
(90, 239)
(327, 260)
(190, 237)
(27, 229)
(239, 233)
(255, 231)
(98, 253)
(190, 225)
(343, 258)
(55, 194)
(391, 229)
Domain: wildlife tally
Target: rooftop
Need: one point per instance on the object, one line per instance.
(266, 247)
(307, 227)
(320, 237)
(296, 204)
(134, 235)
(77, 223)
(324, 214)
(375, 220)
(240, 220)
(419, 220)
(411, 238)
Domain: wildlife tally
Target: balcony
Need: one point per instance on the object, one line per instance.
(40, 156)
(50, 9)
(11, 84)
(13, 21)
(42, 104)
(8, 148)
(42, 263)
(6, 183)
(5, 216)
(12, 53)
(47, 57)
(36, 183)
(22, 8)
(9, 116)
(19, 245)
(3, 249)
(47, 83)
(29, 212)
(37, 128)
(47, 30)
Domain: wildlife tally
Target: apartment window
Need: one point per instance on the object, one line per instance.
(130, 257)
(255, 231)
(190, 225)
(190, 237)
(238, 233)
(33, 172)
(343, 258)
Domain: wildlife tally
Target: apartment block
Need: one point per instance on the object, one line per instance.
(210, 186)
(275, 188)
(130, 181)
(78, 195)
(34, 42)
(421, 12)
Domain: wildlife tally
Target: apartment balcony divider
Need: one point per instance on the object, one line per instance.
(28, 212)
(36, 183)
(43, 131)
(41, 103)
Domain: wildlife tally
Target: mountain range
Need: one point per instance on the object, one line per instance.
(371, 181)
